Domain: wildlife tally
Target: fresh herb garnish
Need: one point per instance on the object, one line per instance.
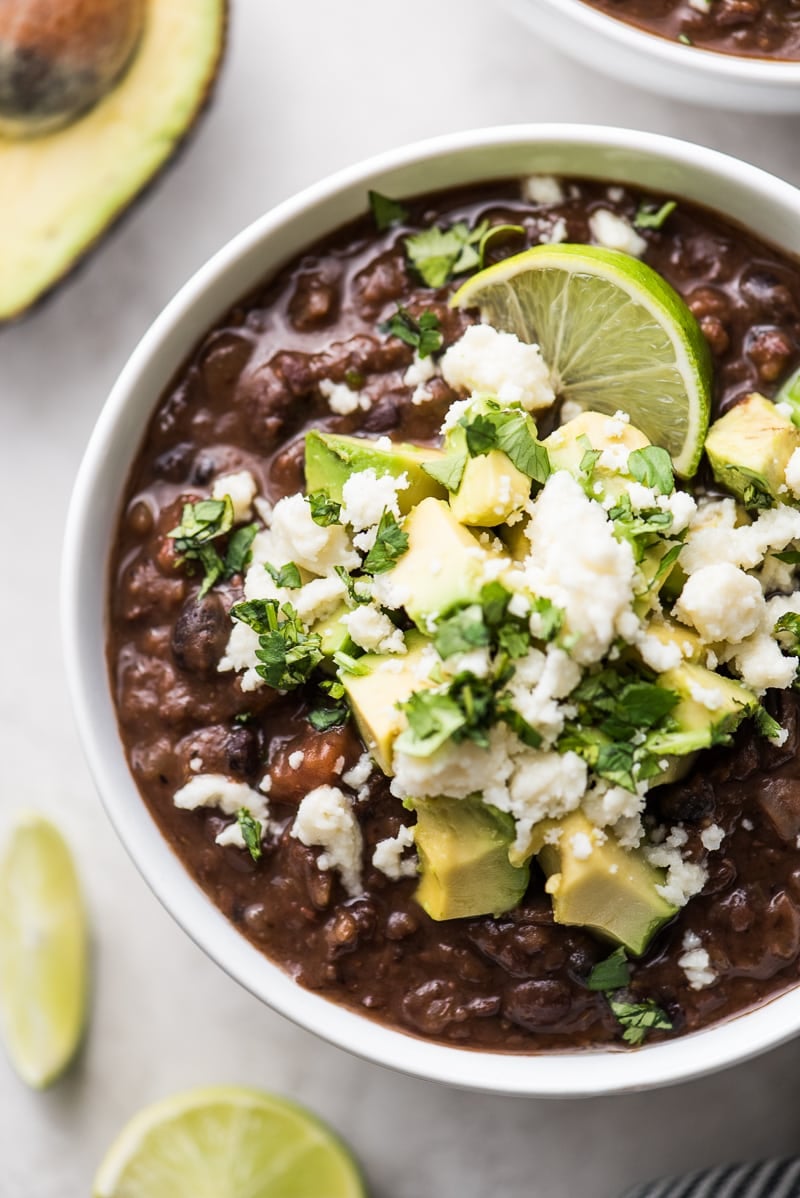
(513, 432)
(251, 832)
(790, 557)
(324, 718)
(432, 719)
(439, 254)
(324, 510)
(652, 466)
(494, 232)
(349, 665)
(550, 618)
(449, 471)
(207, 521)
(287, 576)
(650, 217)
(665, 566)
(390, 544)
(461, 633)
(613, 973)
(350, 583)
(685, 40)
(590, 456)
(355, 379)
(639, 1018)
(765, 725)
(385, 211)
(789, 625)
(286, 653)
(422, 333)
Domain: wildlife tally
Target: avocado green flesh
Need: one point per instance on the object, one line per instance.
(612, 891)
(334, 637)
(330, 459)
(694, 725)
(463, 854)
(749, 449)
(374, 694)
(491, 490)
(71, 184)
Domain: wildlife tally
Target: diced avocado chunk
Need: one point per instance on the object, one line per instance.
(491, 490)
(334, 637)
(330, 459)
(443, 566)
(388, 679)
(710, 707)
(567, 445)
(516, 539)
(610, 890)
(463, 856)
(749, 449)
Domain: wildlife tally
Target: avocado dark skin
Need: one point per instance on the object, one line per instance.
(94, 101)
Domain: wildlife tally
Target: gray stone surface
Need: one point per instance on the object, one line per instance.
(307, 87)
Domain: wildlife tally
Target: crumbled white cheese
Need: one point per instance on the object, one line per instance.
(296, 759)
(421, 370)
(710, 697)
(540, 680)
(359, 773)
(265, 784)
(242, 489)
(695, 962)
(607, 805)
(570, 410)
(712, 837)
(544, 785)
(682, 507)
(196, 764)
(264, 510)
(484, 361)
(703, 6)
(581, 845)
(457, 771)
(325, 818)
(760, 664)
(589, 573)
(714, 536)
(343, 399)
(216, 790)
(793, 474)
(318, 598)
(721, 602)
(557, 233)
(542, 189)
(389, 855)
(657, 654)
(684, 878)
(366, 495)
(294, 537)
(372, 629)
(615, 233)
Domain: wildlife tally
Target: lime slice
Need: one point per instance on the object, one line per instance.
(43, 951)
(226, 1142)
(615, 335)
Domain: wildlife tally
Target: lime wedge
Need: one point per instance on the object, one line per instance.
(43, 951)
(226, 1142)
(615, 335)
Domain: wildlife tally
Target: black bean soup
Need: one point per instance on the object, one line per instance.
(244, 401)
(753, 28)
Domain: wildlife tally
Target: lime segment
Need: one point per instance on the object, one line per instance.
(615, 335)
(43, 951)
(227, 1142)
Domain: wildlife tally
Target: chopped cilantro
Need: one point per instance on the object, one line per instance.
(385, 211)
(665, 566)
(422, 333)
(551, 618)
(355, 379)
(204, 522)
(439, 254)
(590, 456)
(324, 718)
(350, 583)
(461, 632)
(638, 1018)
(448, 471)
(243, 717)
(324, 510)
(288, 576)
(390, 544)
(286, 653)
(765, 725)
(239, 552)
(791, 557)
(511, 431)
(349, 665)
(612, 973)
(251, 832)
(650, 217)
(685, 40)
(432, 719)
(481, 435)
(495, 599)
(652, 466)
(789, 625)
(494, 232)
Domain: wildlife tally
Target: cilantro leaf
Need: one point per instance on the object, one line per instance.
(461, 632)
(350, 583)
(612, 973)
(385, 211)
(439, 254)
(791, 557)
(638, 1018)
(324, 718)
(590, 456)
(324, 510)
(423, 333)
(349, 665)
(495, 599)
(789, 624)
(355, 379)
(550, 618)
(765, 725)
(288, 576)
(481, 435)
(517, 723)
(665, 566)
(239, 552)
(448, 471)
(432, 719)
(652, 466)
(204, 522)
(251, 832)
(286, 653)
(514, 433)
(491, 234)
(615, 762)
(649, 217)
(390, 544)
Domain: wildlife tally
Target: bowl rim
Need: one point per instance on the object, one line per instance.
(704, 61)
(563, 1074)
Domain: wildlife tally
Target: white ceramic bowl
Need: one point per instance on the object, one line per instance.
(770, 207)
(681, 72)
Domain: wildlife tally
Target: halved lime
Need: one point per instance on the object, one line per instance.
(43, 951)
(615, 335)
(227, 1142)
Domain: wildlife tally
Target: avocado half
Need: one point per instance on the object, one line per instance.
(63, 190)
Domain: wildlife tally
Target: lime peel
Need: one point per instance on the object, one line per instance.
(614, 333)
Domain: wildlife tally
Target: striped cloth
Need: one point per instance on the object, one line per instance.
(769, 1179)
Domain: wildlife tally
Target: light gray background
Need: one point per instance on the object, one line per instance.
(308, 86)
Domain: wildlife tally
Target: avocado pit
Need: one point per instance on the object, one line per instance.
(58, 58)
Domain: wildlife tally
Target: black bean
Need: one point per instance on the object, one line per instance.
(200, 635)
